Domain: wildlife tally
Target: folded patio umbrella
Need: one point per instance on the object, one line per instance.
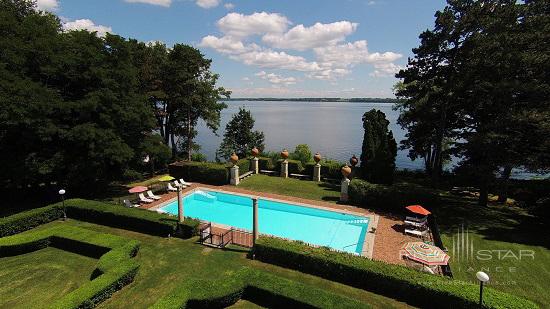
(417, 209)
(138, 189)
(424, 253)
(166, 178)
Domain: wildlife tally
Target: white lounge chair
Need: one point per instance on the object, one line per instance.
(143, 199)
(128, 204)
(171, 188)
(178, 184)
(185, 183)
(151, 195)
(416, 232)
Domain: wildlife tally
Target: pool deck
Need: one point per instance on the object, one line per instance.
(387, 229)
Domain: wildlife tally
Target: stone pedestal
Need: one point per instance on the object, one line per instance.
(344, 197)
(255, 165)
(284, 169)
(317, 172)
(234, 180)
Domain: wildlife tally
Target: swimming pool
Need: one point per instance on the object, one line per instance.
(321, 227)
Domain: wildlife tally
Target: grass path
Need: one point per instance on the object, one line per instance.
(36, 279)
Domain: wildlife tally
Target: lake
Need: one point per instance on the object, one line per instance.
(334, 129)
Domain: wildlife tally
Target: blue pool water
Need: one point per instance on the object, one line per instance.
(316, 226)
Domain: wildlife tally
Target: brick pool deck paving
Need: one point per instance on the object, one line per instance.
(389, 232)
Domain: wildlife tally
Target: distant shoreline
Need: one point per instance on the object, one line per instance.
(353, 100)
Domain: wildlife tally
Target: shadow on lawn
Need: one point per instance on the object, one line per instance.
(494, 222)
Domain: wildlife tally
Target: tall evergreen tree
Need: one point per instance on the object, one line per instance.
(379, 148)
(239, 136)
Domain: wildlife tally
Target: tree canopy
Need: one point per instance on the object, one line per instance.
(379, 148)
(480, 80)
(239, 136)
(77, 109)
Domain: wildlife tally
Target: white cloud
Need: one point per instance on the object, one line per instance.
(280, 60)
(239, 25)
(229, 6)
(208, 4)
(302, 38)
(352, 53)
(86, 24)
(385, 70)
(225, 45)
(165, 3)
(276, 79)
(372, 2)
(47, 5)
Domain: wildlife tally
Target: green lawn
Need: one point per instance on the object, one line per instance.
(293, 187)
(36, 279)
(509, 245)
(164, 263)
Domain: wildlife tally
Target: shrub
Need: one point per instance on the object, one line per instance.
(29, 219)
(389, 198)
(394, 281)
(329, 169)
(198, 157)
(138, 220)
(115, 269)
(302, 153)
(203, 172)
(257, 286)
(243, 164)
(265, 163)
(294, 166)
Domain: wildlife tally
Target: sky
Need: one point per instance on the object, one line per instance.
(275, 48)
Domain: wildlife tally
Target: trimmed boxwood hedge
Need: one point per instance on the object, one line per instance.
(29, 219)
(115, 268)
(329, 169)
(294, 166)
(203, 172)
(391, 198)
(395, 281)
(265, 163)
(139, 220)
(254, 285)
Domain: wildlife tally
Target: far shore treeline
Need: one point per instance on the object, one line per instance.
(355, 100)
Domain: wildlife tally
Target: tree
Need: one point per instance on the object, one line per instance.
(302, 154)
(379, 148)
(239, 136)
(181, 92)
(492, 69)
(71, 112)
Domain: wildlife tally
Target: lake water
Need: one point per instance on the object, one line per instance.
(334, 129)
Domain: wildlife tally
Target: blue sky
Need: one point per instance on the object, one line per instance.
(283, 48)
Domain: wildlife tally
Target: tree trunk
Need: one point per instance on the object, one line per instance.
(189, 141)
(428, 161)
(503, 192)
(437, 157)
(483, 194)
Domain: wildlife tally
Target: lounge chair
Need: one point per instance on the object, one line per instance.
(143, 199)
(185, 183)
(152, 196)
(171, 188)
(416, 223)
(128, 204)
(418, 233)
(178, 184)
(416, 219)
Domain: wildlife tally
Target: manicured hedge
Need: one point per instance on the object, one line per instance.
(294, 166)
(265, 163)
(254, 285)
(329, 169)
(203, 172)
(139, 220)
(398, 282)
(115, 268)
(392, 198)
(29, 219)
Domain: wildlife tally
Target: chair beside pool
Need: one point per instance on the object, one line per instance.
(152, 196)
(143, 199)
(169, 187)
(183, 182)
